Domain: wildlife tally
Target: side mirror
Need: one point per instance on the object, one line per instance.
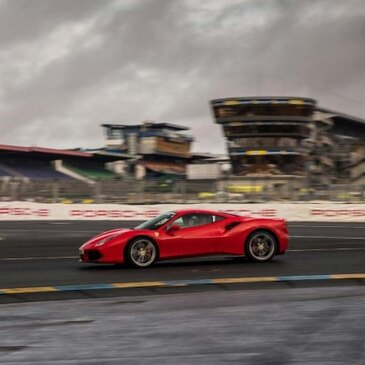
(172, 228)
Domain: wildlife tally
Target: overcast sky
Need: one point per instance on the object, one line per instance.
(66, 66)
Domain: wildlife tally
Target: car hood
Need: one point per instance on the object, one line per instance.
(112, 232)
(103, 235)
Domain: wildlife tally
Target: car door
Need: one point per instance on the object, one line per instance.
(198, 234)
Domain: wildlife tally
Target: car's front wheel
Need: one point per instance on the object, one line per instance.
(141, 252)
(260, 246)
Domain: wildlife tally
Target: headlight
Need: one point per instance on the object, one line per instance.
(105, 240)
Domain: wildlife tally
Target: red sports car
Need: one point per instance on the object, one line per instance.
(187, 233)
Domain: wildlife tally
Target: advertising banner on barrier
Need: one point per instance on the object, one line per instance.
(293, 212)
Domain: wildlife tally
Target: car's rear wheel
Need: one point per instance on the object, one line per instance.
(141, 252)
(260, 246)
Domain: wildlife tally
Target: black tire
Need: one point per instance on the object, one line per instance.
(141, 252)
(260, 246)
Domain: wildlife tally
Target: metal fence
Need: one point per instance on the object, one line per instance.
(131, 191)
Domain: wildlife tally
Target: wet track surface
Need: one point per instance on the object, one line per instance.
(45, 253)
(261, 327)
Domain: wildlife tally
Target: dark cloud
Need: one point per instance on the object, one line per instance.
(68, 66)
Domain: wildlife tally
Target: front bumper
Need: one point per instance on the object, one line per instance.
(90, 255)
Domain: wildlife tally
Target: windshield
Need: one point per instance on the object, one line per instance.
(156, 222)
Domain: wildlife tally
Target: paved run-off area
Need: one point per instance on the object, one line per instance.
(281, 326)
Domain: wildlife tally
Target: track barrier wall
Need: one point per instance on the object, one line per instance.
(292, 212)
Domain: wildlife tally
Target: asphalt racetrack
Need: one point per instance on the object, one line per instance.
(312, 316)
(45, 254)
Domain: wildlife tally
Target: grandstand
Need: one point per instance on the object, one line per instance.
(349, 138)
(38, 163)
(34, 172)
(32, 162)
(161, 150)
(91, 170)
(279, 148)
(289, 139)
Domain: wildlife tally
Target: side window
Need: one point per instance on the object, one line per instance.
(196, 219)
(179, 222)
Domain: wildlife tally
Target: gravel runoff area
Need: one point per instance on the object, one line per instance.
(281, 326)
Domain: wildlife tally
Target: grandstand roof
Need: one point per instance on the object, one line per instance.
(208, 157)
(346, 125)
(103, 154)
(45, 151)
(263, 100)
(342, 115)
(150, 125)
(52, 153)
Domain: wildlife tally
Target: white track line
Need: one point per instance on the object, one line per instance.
(76, 257)
(38, 258)
(59, 223)
(91, 232)
(323, 226)
(329, 249)
(330, 237)
(46, 231)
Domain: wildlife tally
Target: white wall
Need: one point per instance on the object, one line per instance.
(330, 212)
